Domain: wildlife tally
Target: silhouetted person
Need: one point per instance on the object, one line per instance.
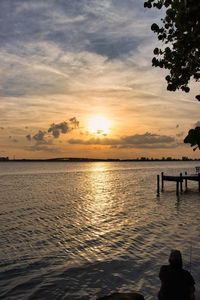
(176, 283)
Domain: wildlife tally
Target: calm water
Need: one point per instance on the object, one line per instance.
(83, 230)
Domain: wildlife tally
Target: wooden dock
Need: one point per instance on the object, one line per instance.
(179, 181)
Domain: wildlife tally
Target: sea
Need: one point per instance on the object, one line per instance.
(83, 230)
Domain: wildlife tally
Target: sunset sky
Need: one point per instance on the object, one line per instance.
(76, 81)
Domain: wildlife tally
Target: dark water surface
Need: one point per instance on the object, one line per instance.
(83, 230)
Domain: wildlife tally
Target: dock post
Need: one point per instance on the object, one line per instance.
(181, 182)
(199, 181)
(162, 181)
(186, 181)
(177, 187)
(158, 185)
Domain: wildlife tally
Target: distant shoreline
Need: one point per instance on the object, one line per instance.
(95, 160)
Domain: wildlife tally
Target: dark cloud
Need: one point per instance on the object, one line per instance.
(37, 20)
(177, 126)
(71, 24)
(39, 137)
(2, 128)
(147, 140)
(112, 48)
(74, 122)
(28, 137)
(56, 129)
(63, 127)
(36, 34)
(25, 20)
(42, 137)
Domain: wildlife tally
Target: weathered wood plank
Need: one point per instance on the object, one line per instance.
(173, 178)
(191, 177)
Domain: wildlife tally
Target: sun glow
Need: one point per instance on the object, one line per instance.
(99, 125)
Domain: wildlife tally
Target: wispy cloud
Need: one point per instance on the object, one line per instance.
(47, 44)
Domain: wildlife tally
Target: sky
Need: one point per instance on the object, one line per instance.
(76, 80)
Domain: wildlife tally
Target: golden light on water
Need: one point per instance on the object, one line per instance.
(99, 125)
(99, 203)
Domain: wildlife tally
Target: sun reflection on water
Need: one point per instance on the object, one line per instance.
(99, 214)
(92, 227)
(99, 202)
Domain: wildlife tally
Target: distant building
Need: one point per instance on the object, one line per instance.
(4, 158)
(185, 158)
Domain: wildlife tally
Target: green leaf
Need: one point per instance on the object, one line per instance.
(156, 51)
(198, 97)
(155, 27)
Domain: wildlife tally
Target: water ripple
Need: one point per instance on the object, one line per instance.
(80, 231)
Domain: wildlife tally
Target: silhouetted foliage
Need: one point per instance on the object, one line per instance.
(180, 34)
(193, 138)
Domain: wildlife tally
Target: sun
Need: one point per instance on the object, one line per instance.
(99, 125)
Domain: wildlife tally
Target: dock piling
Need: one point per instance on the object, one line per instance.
(177, 187)
(158, 185)
(199, 180)
(181, 182)
(186, 181)
(162, 181)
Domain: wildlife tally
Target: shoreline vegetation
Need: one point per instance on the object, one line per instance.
(77, 159)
